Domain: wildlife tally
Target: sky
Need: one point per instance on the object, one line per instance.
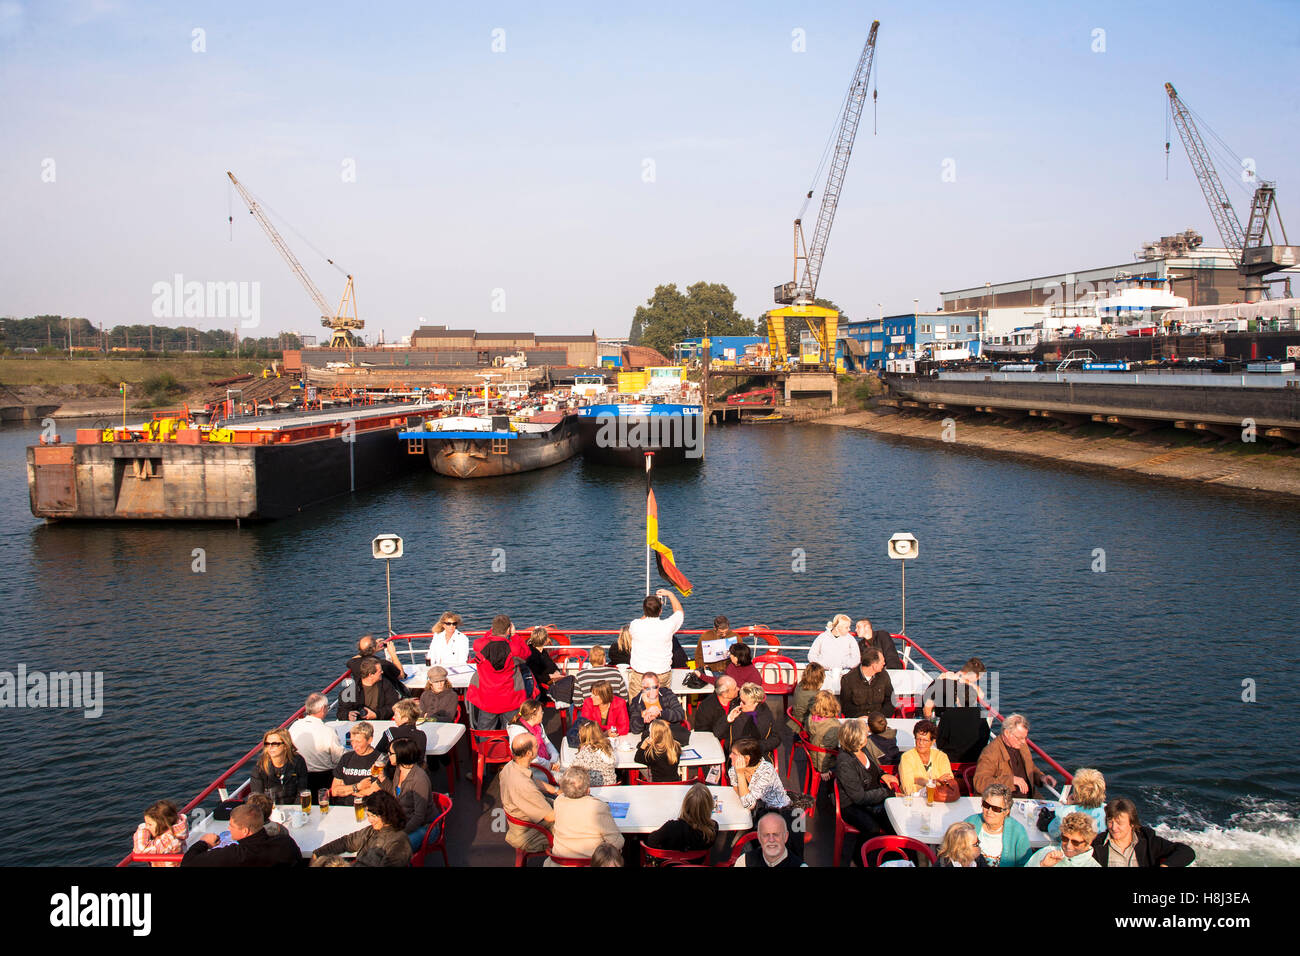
(516, 166)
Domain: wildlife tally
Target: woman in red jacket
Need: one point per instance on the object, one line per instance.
(605, 709)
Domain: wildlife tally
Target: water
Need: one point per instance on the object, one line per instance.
(1137, 671)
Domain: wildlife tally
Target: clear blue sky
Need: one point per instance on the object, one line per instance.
(523, 170)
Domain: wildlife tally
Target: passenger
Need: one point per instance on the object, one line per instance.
(582, 822)
(317, 744)
(660, 753)
(352, 776)
(1007, 761)
(864, 787)
(620, 652)
(693, 830)
(836, 650)
(279, 771)
(597, 670)
(1003, 841)
(264, 804)
(607, 711)
(809, 686)
(753, 720)
(607, 855)
(252, 845)
(383, 842)
(882, 740)
(447, 645)
(498, 686)
(771, 849)
(406, 713)
(924, 761)
(867, 687)
(870, 639)
(541, 664)
(410, 785)
(961, 847)
(824, 732)
(711, 714)
(1077, 833)
(1130, 842)
(375, 695)
(720, 631)
(652, 640)
(653, 702)
(524, 798)
(1087, 795)
(529, 720)
(438, 702)
(740, 666)
(759, 785)
(163, 832)
(954, 700)
(595, 755)
(368, 648)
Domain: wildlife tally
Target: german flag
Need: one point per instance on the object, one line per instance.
(663, 554)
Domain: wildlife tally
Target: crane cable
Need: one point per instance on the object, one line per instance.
(829, 147)
(288, 225)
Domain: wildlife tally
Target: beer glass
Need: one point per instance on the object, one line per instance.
(358, 804)
(304, 800)
(930, 787)
(323, 798)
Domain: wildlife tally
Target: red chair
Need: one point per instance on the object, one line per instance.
(545, 772)
(435, 837)
(521, 856)
(664, 783)
(960, 770)
(673, 857)
(906, 707)
(570, 659)
(490, 746)
(877, 847)
(968, 779)
(842, 829)
(779, 675)
(739, 848)
(800, 735)
(812, 777)
(569, 860)
(453, 767)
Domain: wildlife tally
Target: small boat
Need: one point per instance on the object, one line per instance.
(486, 446)
(764, 419)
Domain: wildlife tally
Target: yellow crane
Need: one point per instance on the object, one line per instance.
(342, 322)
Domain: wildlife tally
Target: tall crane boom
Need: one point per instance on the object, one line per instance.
(1216, 197)
(804, 289)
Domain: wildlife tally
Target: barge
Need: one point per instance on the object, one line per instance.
(621, 434)
(487, 446)
(174, 468)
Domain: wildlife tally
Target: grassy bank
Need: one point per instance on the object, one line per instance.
(106, 373)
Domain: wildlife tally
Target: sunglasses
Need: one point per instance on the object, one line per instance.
(1066, 841)
(272, 743)
(988, 806)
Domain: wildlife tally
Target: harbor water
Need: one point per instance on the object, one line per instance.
(1146, 629)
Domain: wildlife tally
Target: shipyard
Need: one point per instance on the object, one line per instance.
(669, 439)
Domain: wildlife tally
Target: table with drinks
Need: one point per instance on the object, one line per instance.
(644, 809)
(310, 828)
(914, 817)
(703, 750)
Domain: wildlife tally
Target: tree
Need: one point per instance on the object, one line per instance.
(668, 317)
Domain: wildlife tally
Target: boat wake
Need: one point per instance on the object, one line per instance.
(1259, 832)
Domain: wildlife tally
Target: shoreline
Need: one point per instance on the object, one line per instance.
(1219, 466)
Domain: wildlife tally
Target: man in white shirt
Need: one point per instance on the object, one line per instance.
(836, 650)
(318, 744)
(652, 640)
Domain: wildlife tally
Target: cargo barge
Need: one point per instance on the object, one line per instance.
(621, 434)
(174, 468)
(488, 446)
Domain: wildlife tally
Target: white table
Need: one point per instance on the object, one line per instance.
(681, 690)
(649, 808)
(906, 820)
(908, 683)
(320, 828)
(703, 742)
(458, 675)
(439, 738)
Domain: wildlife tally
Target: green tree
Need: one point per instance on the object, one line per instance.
(668, 316)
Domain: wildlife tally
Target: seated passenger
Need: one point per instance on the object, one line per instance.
(372, 698)
(163, 831)
(541, 663)
(654, 702)
(864, 787)
(593, 671)
(924, 761)
(1003, 841)
(447, 645)
(740, 666)
(660, 753)
(1007, 761)
(882, 740)
(606, 710)
(280, 771)
(620, 652)
(867, 687)
(383, 842)
(411, 786)
(754, 720)
(523, 797)
(529, 721)
(871, 639)
(1077, 833)
(759, 784)
(582, 822)
(694, 829)
(720, 631)
(809, 686)
(406, 714)
(824, 732)
(1087, 795)
(961, 847)
(438, 702)
(252, 845)
(771, 849)
(353, 776)
(607, 855)
(711, 714)
(595, 755)
(836, 650)
(1131, 843)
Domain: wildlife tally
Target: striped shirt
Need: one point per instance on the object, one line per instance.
(589, 677)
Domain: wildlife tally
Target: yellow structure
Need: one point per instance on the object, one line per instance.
(816, 349)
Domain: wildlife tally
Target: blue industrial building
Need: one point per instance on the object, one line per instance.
(869, 343)
(721, 347)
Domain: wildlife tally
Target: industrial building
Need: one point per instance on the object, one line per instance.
(467, 347)
(868, 344)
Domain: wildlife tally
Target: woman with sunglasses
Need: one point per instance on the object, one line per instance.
(447, 645)
(1077, 833)
(1003, 841)
(280, 771)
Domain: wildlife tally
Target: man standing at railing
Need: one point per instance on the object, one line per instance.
(652, 640)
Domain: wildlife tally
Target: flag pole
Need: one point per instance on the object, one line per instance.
(649, 456)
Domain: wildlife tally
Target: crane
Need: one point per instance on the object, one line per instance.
(342, 321)
(1255, 259)
(801, 291)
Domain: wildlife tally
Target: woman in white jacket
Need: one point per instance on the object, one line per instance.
(448, 645)
(836, 649)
